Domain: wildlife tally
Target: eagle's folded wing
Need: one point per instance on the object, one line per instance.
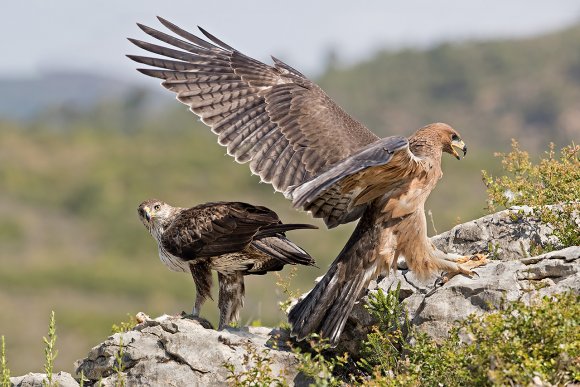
(215, 229)
(385, 167)
(271, 116)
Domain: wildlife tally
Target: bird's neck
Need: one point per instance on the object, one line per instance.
(425, 146)
(157, 231)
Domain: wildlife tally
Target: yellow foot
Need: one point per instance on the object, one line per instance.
(464, 266)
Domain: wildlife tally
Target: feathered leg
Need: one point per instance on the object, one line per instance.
(231, 297)
(201, 274)
(326, 308)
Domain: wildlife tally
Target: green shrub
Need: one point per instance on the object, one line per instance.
(513, 346)
(318, 364)
(125, 326)
(257, 370)
(553, 180)
(382, 349)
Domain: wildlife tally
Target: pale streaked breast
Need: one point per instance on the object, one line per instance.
(172, 262)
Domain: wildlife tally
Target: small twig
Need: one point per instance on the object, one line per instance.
(432, 221)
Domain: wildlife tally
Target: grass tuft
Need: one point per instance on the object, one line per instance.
(50, 351)
(4, 370)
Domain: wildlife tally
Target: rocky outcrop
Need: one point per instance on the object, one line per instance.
(511, 274)
(434, 309)
(177, 351)
(505, 235)
(61, 379)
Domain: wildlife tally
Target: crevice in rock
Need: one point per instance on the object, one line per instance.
(178, 358)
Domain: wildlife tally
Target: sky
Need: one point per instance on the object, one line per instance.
(38, 36)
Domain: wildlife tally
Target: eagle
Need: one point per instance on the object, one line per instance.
(295, 137)
(233, 238)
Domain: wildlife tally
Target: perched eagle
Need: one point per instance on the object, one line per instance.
(300, 141)
(233, 238)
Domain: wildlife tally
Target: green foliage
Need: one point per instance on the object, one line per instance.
(71, 179)
(284, 284)
(553, 180)
(506, 347)
(257, 370)
(4, 370)
(119, 364)
(383, 347)
(320, 367)
(50, 351)
(465, 84)
(125, 326)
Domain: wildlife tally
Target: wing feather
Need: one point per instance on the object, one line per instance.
(221, 228)
(262, 113)
(341, 193)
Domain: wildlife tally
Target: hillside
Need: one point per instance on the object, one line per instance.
(72, 177)
(490, 91)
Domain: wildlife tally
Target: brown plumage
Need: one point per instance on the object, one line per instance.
(296, 138)
(233, 238)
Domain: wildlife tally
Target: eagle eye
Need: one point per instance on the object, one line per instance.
(156, 207)
(455, 137)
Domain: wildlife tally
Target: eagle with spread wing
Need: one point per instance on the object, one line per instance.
(233, 238)
(299, 140)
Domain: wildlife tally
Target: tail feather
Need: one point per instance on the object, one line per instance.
(338, 314)
(307, 315)
(281, 228)
(284, 250)
(327, 307)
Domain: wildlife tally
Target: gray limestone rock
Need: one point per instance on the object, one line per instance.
(176, 351)
(510, 275)
(62, 379)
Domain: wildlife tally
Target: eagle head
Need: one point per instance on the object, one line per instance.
(450, 140)
(153, 213)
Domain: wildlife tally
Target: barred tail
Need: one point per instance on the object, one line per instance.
(326, 308)
(284, 250)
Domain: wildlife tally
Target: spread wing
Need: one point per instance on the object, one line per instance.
(386, 167)
(214, 229)
(271, 116)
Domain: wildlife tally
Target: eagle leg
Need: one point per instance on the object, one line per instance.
(231, 297)
(201, 273)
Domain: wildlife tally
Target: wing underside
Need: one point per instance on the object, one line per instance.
(271, 116)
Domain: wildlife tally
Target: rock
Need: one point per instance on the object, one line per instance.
(176, 351)
(510, 275)
(62, 379)
(504, 235)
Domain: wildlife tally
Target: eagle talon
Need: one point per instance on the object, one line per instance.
(441, 280)
(465, 265)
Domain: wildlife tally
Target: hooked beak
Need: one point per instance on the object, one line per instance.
(459, 144)
(145, 212)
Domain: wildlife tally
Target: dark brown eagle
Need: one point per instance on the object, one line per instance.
(233, 238)
(297, 139)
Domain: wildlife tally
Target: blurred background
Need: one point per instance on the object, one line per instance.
(84, 138)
